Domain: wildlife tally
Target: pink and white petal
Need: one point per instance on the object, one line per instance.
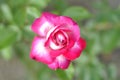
(54, 49)
(39, 51)
(60, 62)
(43, 24)
(63, 62)
(76, 50)
(70, 24)
(54, 65)
(55, 53)
(82, 42)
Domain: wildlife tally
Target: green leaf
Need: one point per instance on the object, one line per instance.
(16, 29)
(77, 13)
(70, 72)
(62, 74)
(60, 5)
(90, 42)
(83, 59)
(85, 73)
(1, 26)
(27, 34)
(20, 16)
(14, 3)
(96, 48)
(6, 53)
(22, 51)
(112, 72)
(32, 11)
(39, 4)
(110, 39)
(7, 37)
(6, 12)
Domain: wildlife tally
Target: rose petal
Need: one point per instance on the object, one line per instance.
(76, 50)
(82, 42)
(54, 65)
(39, 52)
(43, 24)
(70, 24)
(56, 50)
(60, 62)
(48, 21)
(55, 53)
(63, 62)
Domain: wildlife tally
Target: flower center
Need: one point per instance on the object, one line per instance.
(60, 39)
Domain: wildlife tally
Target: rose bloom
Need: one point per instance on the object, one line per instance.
(57, 42)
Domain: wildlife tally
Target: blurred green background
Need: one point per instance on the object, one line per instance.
(99, 22)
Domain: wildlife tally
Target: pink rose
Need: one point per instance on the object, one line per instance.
(57, 42)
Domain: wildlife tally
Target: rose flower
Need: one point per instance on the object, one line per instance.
(57, 42)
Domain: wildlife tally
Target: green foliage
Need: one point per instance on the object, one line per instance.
(7, 53)
(59, 8)
(101, 31)
(20, 21)
(7, 37)
(112, 72)
(110, 39)
(62, 74)
(77, 13)
(6, 12)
